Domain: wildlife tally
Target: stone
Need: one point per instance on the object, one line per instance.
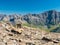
(2, 43)
(11, 42)
(29, 43)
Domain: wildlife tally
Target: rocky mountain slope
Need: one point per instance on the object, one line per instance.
(51, 17)
(28, 36)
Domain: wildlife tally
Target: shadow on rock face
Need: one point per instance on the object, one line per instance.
(46, 39)
(15, 32)
(49, 40)
(29, 43)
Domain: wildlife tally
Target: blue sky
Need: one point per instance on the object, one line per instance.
(28, 6)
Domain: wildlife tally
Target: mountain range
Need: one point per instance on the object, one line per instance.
(48, 19)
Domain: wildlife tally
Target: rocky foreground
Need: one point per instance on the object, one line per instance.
(28, 37)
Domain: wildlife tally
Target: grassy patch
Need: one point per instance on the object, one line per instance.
(36, 26)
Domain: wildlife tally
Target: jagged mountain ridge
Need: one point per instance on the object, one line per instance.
(47, 18)
(50, 17)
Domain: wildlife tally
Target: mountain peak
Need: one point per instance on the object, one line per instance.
(51, 11)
